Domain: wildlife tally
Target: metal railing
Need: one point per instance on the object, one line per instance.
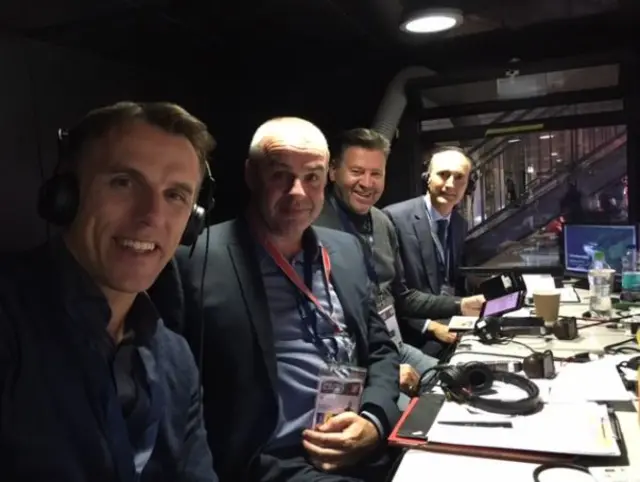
(589, 138)
(537, 189)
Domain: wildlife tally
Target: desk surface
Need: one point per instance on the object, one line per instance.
(593, 337)
(416, 464)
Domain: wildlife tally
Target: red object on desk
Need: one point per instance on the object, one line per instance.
(468, 450)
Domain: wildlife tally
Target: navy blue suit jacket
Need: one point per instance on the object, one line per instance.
(416, 245)
(50, 427)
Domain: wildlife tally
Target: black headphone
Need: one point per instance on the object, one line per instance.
(59, 197)
(559, 465)
(466, 383)
(473, 175)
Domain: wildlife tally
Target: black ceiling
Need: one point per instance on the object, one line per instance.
(296, 38)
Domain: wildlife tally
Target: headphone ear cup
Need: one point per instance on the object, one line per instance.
(58, 199)
(477, 377)
(471, 185)
(195, 226)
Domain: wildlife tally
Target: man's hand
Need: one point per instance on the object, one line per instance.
(341, 441)
(409, 379)
(441, 332)
(472, 305)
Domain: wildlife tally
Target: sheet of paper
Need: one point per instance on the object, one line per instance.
(614, 474)
(545, 282)
(594, 381)
(459, 468)
(568, 295)
(462, 323)
(521, 313)
(581, 429)
(538, 282)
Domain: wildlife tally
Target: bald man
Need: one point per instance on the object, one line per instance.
(431, 234)
(300, 374)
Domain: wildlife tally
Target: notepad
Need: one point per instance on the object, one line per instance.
(577, 429)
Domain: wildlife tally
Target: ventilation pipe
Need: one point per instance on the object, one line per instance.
(394, 101)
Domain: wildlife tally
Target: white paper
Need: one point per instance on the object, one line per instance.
(462, 323)
(594, 381)
(521, 313)
(538, 282)
(460, 468)
(568, 295)
(545, 282)
(581, 429)
(614, 474)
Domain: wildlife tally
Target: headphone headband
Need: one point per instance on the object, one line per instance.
(473, 173)
(59, 196)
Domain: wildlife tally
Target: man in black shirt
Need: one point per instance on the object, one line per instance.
(357, 173)
(93, 387)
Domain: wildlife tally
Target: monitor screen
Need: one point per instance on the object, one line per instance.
(501, 305)
(582, 240)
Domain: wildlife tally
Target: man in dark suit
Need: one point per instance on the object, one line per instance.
(357, 173)
(431, 232)
(93, 387)
(282, 304)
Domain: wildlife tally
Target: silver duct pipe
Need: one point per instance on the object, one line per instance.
(394, 101)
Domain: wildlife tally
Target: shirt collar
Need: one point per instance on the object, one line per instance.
(433, 213)
(84, 301)
(362, 223)
(311, 246)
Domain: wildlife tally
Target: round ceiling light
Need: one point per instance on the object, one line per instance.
(431, 21)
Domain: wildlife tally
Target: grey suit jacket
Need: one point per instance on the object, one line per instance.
(412, 306)
(416, 244)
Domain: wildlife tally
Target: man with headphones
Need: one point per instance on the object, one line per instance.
(92, 384)
(431, 232)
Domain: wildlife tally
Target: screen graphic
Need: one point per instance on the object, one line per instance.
(501, 305)
(581, 241)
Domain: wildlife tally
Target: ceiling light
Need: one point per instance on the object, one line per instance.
(546, 136)
(431, 21)
(513, 140)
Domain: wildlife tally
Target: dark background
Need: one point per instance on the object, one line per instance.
(235, 63)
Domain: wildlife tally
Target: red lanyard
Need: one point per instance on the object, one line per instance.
(293, 276)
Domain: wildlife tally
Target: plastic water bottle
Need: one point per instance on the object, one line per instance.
(630, 276)
(600, 281)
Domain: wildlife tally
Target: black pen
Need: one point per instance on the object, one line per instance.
(479, 424)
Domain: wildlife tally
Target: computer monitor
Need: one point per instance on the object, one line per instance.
(582, 240)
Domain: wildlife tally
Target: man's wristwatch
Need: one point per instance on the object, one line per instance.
(458, 302)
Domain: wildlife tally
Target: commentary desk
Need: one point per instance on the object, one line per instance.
(421, 465)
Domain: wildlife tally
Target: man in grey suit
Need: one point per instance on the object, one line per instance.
(357, 172)
(431, 232)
